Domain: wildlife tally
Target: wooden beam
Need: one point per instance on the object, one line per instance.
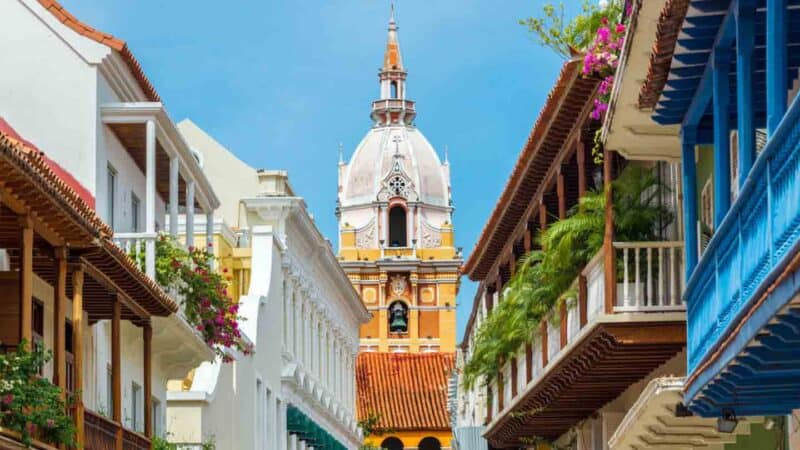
(116, 367)
(105, 281)
(608, 236)
(60, 321)
(77, 353)
(147, 334)
(13, 203)
(26, 281)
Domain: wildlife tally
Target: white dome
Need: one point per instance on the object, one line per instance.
(395, 161)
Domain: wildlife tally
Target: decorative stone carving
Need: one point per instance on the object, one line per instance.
(399, 284)
(431, 237)
(365, 236)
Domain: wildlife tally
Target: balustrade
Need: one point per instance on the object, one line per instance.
(649, 280)
(101, 434)
(136, 246)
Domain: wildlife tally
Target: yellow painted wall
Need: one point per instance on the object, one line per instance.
(411, 438)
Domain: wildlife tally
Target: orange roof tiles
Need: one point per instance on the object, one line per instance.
(106, 39)
(18, 156)
(406, 391)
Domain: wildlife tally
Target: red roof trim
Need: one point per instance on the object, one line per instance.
(106, 39)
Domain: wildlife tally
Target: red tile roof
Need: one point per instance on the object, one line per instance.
(119, 45)
(59, 171)
(53, 198)
(406, 391)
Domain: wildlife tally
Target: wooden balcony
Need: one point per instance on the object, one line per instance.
(744, 316)
(591, 348)
(102, 434)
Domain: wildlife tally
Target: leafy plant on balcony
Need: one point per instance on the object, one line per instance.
(29, 404)
(207, 305)
(570, 37)
(543, 277)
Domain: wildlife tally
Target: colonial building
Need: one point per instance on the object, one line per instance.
(396, 245)
(302, 315)
(81, 96)
(618, 326)
(725, 106)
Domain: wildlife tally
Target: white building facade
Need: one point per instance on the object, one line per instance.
(302, 315)
(80, 96)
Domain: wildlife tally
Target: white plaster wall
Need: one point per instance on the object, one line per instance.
(48, 86)
(129, 179)
(230, 176)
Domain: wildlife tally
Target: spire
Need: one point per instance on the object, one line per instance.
(393, 107)
(392, 61)
(341, 153)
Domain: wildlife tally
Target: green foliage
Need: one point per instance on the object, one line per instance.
(566, 36)
(29, 404)
(161, 443)
(207, 305)
(544, 277)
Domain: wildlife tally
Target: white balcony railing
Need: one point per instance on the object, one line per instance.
(141, 247)
(652, 276)
(648, 280)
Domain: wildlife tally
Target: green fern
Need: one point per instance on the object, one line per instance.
(544, 278)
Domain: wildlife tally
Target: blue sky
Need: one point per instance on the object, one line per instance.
(281, 83)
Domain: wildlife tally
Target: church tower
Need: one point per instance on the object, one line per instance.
(395, 220)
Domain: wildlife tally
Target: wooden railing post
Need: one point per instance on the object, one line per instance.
(147, 334)
(609, 262)
(26, 282)
(59, 321)
(543, 332)
(77, 354)
(564, 323)
(580, 153)
(116, 367)
(583, 301)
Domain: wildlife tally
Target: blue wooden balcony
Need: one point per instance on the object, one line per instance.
(733, 68)
(743, 330)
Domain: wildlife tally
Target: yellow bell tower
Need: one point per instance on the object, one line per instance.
(395, 219)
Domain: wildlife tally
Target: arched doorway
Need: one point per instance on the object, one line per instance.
(397, 227)
(429, 443)
(392, 443)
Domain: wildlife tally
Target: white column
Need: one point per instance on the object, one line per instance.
(209, 229)
(385, 218)
(189, 213)
(150, 197)
(409, 227)
(312, 360)
(296, 307)
(293, 442)
(282, 436)
(174, 187)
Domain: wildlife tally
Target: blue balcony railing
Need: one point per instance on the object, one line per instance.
(755, 241)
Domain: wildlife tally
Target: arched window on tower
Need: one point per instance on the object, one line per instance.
(394, 89)
(429, 443)
(392, 443)
(397, 227)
